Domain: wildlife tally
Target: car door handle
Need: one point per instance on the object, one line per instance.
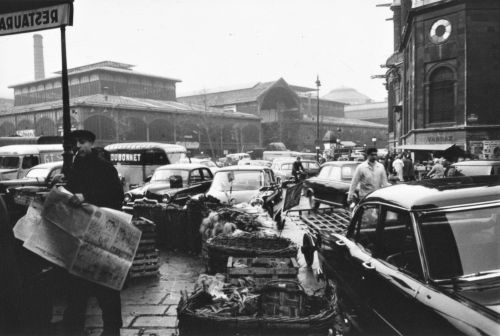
(340, 242)
(368, 265)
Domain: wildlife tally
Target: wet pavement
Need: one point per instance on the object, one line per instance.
(149, 305)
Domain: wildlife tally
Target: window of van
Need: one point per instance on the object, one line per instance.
(29, 161)
(9, 162)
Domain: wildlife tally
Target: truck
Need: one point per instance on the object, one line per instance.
(417, 258)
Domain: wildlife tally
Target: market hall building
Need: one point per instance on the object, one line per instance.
(443, 78)
(121, 105)
(289, 114)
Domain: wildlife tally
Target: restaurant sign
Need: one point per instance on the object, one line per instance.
(35, 19)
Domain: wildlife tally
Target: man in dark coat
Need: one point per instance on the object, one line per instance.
(93, 180)
(297, 169)
(408, 169)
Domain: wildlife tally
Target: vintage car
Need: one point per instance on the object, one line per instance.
(283, 168)
(420, 258)
(40, 175)
(332, 183)
(476, 167)
(207, 162)
(172, 183)
(262, 163)
(238, 184)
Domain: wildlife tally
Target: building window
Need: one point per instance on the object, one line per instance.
(442, 95)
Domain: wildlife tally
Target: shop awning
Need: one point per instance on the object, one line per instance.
(426, 147)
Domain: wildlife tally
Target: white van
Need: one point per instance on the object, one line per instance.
(16, 160)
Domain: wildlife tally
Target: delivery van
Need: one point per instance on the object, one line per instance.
(16, 160)
(137, 161)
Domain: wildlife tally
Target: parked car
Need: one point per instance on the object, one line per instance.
(207, 162)
(238, 184)
(172, 183)
(283, 168)
(332, 183)
(38, 176)
(476, 167)
(419, 258)
(261, 163)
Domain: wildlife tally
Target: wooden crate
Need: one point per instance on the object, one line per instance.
(262, 269)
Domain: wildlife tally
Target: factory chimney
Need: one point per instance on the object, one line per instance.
(38, 54)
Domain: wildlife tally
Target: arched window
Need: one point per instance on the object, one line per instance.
(442, 95)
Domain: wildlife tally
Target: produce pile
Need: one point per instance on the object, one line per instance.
(235, 220)
(214, 296)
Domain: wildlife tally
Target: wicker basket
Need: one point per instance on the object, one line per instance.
(284, 308)
(218, 249)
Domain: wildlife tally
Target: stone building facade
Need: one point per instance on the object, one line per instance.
(443, 76)
(289, 113)
(121, 105)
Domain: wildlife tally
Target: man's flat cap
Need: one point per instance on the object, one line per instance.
(82, 135)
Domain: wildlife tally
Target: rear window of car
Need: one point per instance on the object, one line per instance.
(473, 170)
(348, 172)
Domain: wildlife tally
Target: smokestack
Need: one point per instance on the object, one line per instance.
(38, 54)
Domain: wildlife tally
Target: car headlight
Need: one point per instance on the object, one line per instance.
(127, 198)
(166, 198)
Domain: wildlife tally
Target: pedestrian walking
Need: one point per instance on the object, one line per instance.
(93, 180)
(398, 165)
(369, 175)
(408, 169)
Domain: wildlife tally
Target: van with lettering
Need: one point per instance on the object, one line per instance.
(136, 161)
(16, 160)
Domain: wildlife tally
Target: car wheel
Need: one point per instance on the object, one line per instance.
(308, 249)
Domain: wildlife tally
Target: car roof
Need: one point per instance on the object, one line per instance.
(478, 163)
(29, 149)
(187, 166)
(49, 165)
(438, 193)
(168, 148)
(291, 160)
(245, 167)
(340, 163)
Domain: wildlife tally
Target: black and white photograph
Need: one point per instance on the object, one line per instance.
(249, 167)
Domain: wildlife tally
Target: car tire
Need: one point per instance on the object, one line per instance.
(308, 249)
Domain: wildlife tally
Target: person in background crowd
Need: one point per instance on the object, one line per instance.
(408, 170)
(437, 171)
(398, 167)
(94, 180)
(370, 175)
(297, 168)
(388, 164)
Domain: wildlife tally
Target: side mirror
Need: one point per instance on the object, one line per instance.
(147, 179)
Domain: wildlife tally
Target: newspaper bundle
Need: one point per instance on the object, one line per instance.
(97, 244)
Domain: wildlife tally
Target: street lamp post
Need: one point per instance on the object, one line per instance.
(318, 84)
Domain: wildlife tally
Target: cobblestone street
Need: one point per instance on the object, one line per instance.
(149, 305)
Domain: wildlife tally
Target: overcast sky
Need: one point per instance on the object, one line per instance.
(219, 43)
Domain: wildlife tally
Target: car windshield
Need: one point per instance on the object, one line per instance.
(164, 175)
(9, 162)
(462, 242)
(38, 173)
(473, 170)
(243, 180)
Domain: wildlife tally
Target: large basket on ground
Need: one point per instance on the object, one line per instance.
(283, 308)
(218, 249)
